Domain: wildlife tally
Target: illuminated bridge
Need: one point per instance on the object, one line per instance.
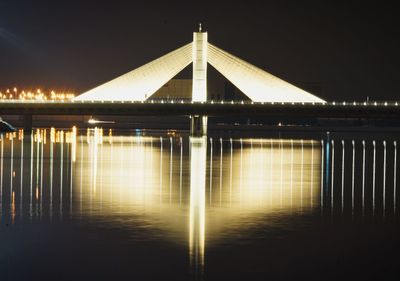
(270, 96)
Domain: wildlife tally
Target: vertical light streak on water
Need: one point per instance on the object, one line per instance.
(251, 164)
(332, 170)
(270, 171)
(352, 175)
(61, 172)
(262, 167)
(301, 173)
(198, 159)
(132, 157)
(281, 172)
(220, 172)
(384, 178)
(51, 177)
(90, 142)
(291, 173)
(121, 168)
(161, 167)
(180, 169)
(1, 168)
(41, 174)
(322, 175)
(230, 172)
(342, 191)
(11, 166)
(22, 175)
(101, 174)
(170, 170)
(37, 156)
(363, 179)
(70, 183)
(81, 183)
(394, 176)
(211, 161)
(312, 174)
(151, 157)
(112, 163)
(373, 178)
(241, 169)
(31, 179)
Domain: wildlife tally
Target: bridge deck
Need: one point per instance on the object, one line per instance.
(170, 108)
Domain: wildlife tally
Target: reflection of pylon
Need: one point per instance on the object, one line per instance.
(141, 83)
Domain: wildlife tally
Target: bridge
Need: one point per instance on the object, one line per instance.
(270, 97)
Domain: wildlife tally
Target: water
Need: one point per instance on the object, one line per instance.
(95, 205)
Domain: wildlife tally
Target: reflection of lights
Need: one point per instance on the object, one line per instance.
(198, 153)
(138, 184)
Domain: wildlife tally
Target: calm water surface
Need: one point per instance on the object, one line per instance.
(94, 205)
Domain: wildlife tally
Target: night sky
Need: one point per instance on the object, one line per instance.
(336, 50)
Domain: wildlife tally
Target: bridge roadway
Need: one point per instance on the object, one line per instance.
(213, 109)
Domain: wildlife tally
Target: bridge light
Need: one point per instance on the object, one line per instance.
(385, 103)
(344, 103)
(396, 103)
(365, 103)
(333, 103)
(375, 103)
(182, 101)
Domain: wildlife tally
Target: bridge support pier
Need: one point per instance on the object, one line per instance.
(27, 124)
(198, 125)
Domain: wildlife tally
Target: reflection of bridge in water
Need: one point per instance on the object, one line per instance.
(225, 183)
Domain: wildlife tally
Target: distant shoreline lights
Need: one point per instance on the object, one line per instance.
(38, 94)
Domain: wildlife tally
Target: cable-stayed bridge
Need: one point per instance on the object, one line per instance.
(270, 96)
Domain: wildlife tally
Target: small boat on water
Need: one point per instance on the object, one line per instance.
(5, 127)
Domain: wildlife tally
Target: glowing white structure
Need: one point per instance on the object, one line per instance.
(199, 90)
(141, 83)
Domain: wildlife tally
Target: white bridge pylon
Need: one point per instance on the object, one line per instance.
(140, 84)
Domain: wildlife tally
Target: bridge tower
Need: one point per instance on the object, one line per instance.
(199, 79)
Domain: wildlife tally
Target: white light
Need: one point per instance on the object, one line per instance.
(254, 82)
(144, 81)
(199, 59)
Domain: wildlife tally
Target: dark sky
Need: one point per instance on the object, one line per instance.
(346, 50)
